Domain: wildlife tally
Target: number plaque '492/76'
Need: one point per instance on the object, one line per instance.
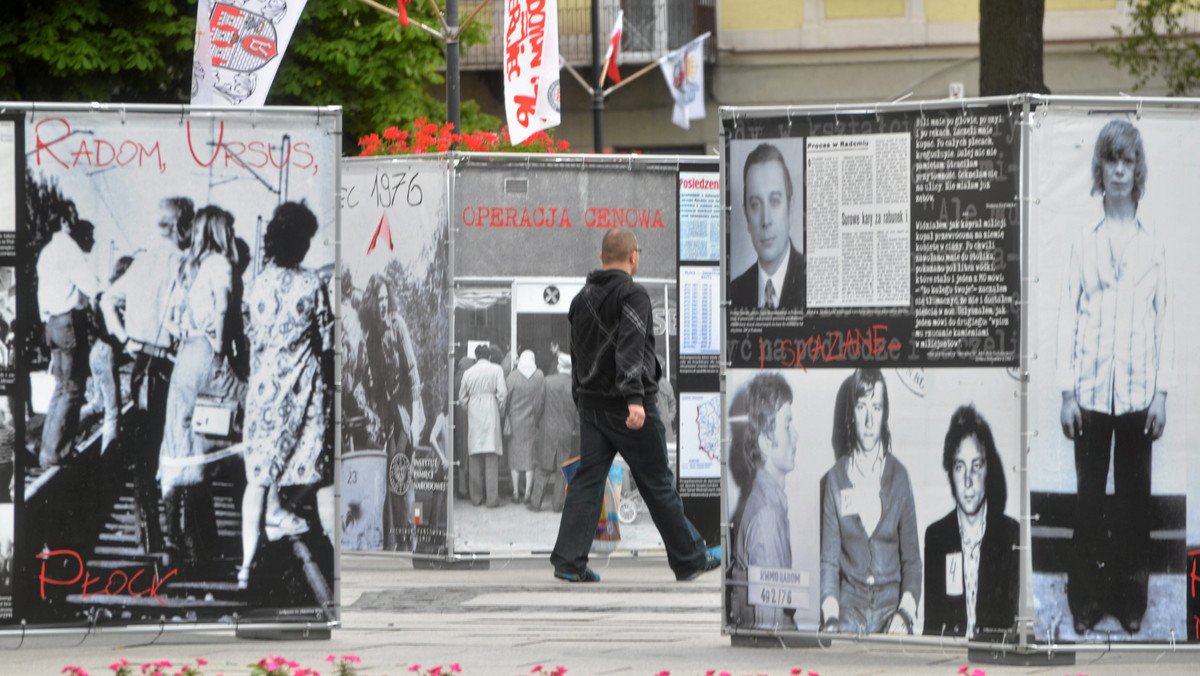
(779, 587)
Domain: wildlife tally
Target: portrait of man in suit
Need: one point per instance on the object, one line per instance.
(972, 565)
(776, 279)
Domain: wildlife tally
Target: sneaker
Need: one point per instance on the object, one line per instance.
(712, 561)
(588, 575)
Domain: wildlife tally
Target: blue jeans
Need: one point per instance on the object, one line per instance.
(67, 336)
(603, 434)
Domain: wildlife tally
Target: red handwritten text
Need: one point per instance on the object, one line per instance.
(53, 137)
(873, 344)
(252, 154)
(117, 582)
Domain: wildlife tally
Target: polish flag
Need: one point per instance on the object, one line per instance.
(614, 46)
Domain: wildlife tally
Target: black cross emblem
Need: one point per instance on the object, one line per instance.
(550, 295)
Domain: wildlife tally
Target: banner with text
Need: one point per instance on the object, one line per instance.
(396, 444)
(173, 389)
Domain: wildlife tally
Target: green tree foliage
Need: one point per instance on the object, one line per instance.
(140, 51)
(1158, 44)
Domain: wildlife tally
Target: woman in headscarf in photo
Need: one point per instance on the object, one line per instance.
(870, 547)
(762, 454)
(289, 421)
(526, 400)
(200, 320)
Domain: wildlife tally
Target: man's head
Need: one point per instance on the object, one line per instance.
(175, 220)
(767, 435)
(84, 234)
(972, 463)
(619, 251)
(767, 204)
(1119, 163)
(483, 352)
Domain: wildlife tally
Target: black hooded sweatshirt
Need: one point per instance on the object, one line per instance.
(613, 363)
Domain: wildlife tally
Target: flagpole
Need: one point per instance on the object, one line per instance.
(629, 78)
(453, 77)
(414, 22)
(598, 91)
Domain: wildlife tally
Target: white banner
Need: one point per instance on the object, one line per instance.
(684, 71)
(239, 45)
(531, 86)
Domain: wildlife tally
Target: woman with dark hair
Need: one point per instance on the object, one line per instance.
(288, 405)
(762, 454)
(199, 320)
(870, 549)
(390, 397)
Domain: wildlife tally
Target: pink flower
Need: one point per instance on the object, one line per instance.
(455, 668)
(435, 671)
(978, 672)
(117, 666)
(415, 667)
(796, 672)
(331, 658)
(201, 661)
(353, 659)
(560, 670)
(710, 672)
(963, 669)
(536, 669)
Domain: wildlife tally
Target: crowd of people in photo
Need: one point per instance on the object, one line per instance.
(194, 355)
(518, 413)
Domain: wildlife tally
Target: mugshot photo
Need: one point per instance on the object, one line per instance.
(766, 224)
(901, 523)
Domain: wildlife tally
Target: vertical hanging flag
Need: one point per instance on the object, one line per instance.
(239, 44)
(614, 48)
(684, 71)
(531, 86)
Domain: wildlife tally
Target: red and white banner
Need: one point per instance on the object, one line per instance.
(614, 48)
(684, 71)
(531, 85)
(239, 44)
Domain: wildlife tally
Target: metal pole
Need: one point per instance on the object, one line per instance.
(598, 89)
(453, 84)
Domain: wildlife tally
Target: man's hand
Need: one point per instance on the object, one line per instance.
(637, 417)
(1071, 417)
(1156, 416)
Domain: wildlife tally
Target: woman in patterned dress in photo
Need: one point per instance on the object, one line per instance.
(289, 325)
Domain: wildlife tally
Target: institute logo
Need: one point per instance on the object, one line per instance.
(242, 41)
(553, 95)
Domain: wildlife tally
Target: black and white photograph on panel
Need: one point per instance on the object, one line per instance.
(397, 448)
(1112, 441)
(177, 458)
(766, 225)
(10, 173)
(904, 522)
(526, 238)
(8, 316)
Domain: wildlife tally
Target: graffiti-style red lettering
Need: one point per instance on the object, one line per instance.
(64, 568)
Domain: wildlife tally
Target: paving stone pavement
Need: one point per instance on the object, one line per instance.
(513, 616)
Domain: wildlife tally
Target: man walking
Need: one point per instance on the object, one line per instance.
(614, 381)
(483, 393)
